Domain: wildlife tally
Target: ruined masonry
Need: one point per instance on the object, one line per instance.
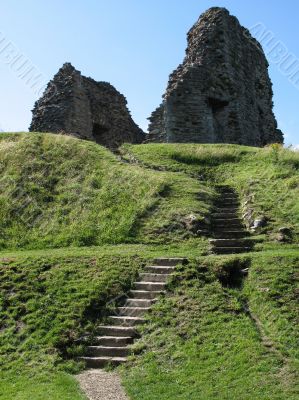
(84, 108)
(222, 92)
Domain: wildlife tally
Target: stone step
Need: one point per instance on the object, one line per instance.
(227, 203)
(227, 199)
(227, 190)
(114, 330)
(101, 362)
(226, 209)
(170, 262)
(131, 311)
(146, 294)
(224, 215)
(219, 229)
(105, 351)
(227, 206)
(227, 194)
(155, 269)
(126, 321)
(228, 225)
(237, 234)
(230, 250)
(150, 286)
(150, 277)
(230, 242)
(217, 220)
(112, 341)
(138, 303)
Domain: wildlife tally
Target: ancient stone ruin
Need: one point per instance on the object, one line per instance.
(82, 107)
(222, 92)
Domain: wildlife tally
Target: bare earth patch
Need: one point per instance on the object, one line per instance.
(101, 385)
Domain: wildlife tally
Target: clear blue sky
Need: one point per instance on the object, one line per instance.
(133, 44)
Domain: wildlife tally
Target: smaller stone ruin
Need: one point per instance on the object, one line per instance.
(79, 106)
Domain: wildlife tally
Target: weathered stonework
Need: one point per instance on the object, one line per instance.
(222, 92)
(82, 107)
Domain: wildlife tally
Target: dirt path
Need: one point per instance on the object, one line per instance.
(100, 385)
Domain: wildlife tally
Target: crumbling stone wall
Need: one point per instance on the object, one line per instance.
(85, 108)
(222, 92)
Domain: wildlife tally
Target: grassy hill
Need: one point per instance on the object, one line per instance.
(266, 179)
(77, 223)
(58, 191)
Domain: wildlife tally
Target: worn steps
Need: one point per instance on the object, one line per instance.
(224, 215)
(132, 311)
(145, 294)
(170, 262)
(232, 242)
(149, 286)
(111, 345)
(113, 341)
(107, 351)
(227, 203)
(231, 250)
(139, 303)
(116, 331)
(101, 362)
(229, 233)
(126, 320)
(227, 221)
(154, 277)
(159, 269)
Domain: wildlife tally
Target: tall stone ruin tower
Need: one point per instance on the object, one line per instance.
(222, 92)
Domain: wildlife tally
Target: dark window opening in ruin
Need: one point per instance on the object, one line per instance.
(219, 119)
(98, 132)
(216, 104)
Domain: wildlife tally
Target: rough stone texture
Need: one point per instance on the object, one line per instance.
(222, 92)
(82, 107)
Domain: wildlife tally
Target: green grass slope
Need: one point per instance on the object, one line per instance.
(207, 340)
(46, 303)
(58, 191)
(76, 225)
(267, 179)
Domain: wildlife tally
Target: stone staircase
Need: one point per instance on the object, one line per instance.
(111, 345)
(229, 233)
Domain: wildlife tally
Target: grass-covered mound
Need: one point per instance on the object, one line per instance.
(267, 179)
(58, 191)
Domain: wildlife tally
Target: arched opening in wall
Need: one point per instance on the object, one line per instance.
(99, 133)
(218, 108)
